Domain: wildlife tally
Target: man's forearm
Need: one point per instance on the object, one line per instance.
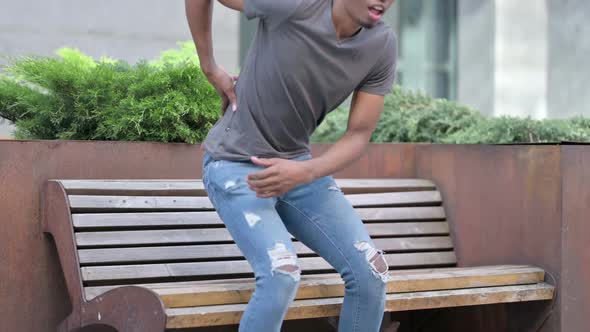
(345, 151)
(199, 15)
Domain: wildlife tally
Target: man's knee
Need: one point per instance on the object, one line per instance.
(284, 261)
(375, 259)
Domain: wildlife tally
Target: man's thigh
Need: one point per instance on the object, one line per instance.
(319, 215)
(253, 222)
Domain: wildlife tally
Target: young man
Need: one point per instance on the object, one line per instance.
(307, 57)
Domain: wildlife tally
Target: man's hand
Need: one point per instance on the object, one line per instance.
(199, 15)
(280, 176)
(224, 84)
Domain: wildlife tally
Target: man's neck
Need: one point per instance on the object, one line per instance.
(344, 25)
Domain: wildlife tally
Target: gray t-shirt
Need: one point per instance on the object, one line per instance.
(297, 71)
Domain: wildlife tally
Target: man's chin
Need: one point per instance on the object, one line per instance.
(369, 25)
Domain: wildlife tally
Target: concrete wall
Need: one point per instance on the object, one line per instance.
(521, 58)
(128, 30)
(475, 40)
(6, 129)
(524, 58)
(502, 57)
(569, 58)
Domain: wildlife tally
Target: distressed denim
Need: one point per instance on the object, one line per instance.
(318, 215)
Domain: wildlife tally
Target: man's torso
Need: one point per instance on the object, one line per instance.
(294, 74)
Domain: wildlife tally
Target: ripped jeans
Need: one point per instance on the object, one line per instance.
(318, 215)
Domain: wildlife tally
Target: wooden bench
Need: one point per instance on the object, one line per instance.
(153, 255)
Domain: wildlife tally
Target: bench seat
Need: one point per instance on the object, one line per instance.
(162, 240)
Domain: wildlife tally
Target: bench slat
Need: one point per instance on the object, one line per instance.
(170, 219)
(135, 187)
(396, 199)
(90, 203)
(203, 235)
(351, 186)
(413, 276)
(145, 219)
(399, 282)
(308, 264)
(217, 251)
(402, 213)
(329, 307)
(196, 188)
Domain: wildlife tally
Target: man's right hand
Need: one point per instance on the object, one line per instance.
(224, 84)
(199, 15)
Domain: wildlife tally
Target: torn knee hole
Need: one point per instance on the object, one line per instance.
(375, 259)
(284, 261)
(378, 263)
(289, 268)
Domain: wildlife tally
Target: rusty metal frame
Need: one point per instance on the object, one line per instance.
(128, 308)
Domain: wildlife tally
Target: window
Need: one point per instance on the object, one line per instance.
(427, 45)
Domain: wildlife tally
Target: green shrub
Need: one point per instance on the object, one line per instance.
(506, 129)
(168, 99)
(413, 117)
(407, 117)
(75, 97)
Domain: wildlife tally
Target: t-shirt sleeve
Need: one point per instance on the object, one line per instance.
(274, 10)
(380, 80)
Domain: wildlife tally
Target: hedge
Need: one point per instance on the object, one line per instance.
(73, 96)
(415, 118)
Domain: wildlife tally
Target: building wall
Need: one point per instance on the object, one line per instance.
(521, 58)
(524, 59)
(569, 58)
(6, 129)
(128, 30)
(475, 55)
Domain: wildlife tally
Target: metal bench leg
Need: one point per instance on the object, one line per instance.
(127, 309)
(333, 322)
(69, 324)
(391, 327)
(388, 324)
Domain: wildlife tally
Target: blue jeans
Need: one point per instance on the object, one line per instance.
(318, 215)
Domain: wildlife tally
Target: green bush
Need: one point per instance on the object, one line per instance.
(413, 117)
(75, 97)
(168, 99)
(407, 117)
(506, 129)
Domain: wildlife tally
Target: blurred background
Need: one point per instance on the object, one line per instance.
(500, 57)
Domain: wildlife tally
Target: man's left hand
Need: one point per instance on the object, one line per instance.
(280, 176)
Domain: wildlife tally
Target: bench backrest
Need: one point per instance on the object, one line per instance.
(137, 232)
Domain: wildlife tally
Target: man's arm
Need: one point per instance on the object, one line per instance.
(281, 175)
(365, 112)
(199, 15)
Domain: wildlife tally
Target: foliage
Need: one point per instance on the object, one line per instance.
(75, 97)
(413, 117)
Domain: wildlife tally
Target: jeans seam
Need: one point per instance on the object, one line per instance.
(339, 251)
(221, 196)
